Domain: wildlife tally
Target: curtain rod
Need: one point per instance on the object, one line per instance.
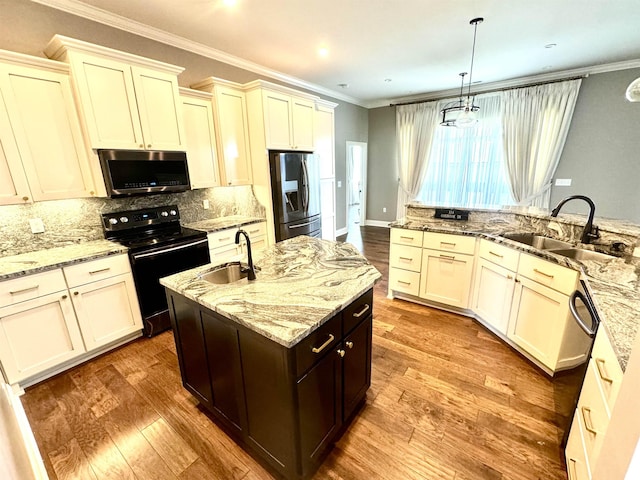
(491, 90)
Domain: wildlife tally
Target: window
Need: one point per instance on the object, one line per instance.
(466, 166)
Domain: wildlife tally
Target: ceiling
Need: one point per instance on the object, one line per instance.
(387, 50)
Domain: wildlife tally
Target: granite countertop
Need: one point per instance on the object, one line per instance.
(613, 284)
(42, 260)
(222, 223)
(302, 283)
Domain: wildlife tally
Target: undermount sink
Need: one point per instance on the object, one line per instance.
(226, 273)
(580, 254)
(538, 241)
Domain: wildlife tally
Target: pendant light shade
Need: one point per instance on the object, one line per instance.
(633, 91)
(462, 112)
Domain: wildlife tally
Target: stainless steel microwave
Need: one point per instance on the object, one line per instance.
(132, 172)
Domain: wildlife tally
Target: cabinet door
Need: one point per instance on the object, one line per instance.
(319, 395)
(446, 277)
(38, 334)
(537, 320)
(47, 132)
(324, 139)
(277, 120)
(108, 100)
(302, 112)
(13, 181)
(492, 295)
(200, 138)
(190, 347)
(356, 376)
(107, 310)
(223, 351)
(328, 208)
(233, 134)
(159, 108)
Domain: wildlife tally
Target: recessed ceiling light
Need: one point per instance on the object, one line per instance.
(343, 85)
(323, 51)
(388, 80)
(550, 45)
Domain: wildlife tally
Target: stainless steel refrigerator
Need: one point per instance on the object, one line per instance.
(295, 186)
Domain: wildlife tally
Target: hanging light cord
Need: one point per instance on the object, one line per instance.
(475, 23)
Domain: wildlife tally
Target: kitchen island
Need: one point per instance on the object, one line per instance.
(282, 362)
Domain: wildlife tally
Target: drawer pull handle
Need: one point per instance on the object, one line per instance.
(408, 259)
(14, 292)
(226, 239)
(496, 254)
(588, 424)
(324, 345)
(448, 257)
(448, 243)
(572, 470)
(603, 371)
(349, 344)
(93, 272)
(548, 275)
(509, 277)
(364, 310)
(341, 353)
(403, 283)
(406, 238)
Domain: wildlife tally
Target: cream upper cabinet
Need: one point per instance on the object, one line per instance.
(127, 102)
(43, 155)
(202, 152)
(288, 121)
(230, 119)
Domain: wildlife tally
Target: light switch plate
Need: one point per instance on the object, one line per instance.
(339, 183)
(36, 225)
(563, 182)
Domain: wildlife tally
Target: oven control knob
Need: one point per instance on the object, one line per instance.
(173, 212)
(124, 219)
(113, 221)
(164, 213)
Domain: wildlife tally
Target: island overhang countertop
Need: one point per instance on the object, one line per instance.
(301, 283)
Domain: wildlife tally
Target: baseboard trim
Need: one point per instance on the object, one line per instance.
(378, 223)
(342, 231)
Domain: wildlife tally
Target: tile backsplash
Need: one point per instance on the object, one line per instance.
(79, 220)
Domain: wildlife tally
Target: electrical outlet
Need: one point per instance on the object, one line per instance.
(563, 182)
(339, 184)
(36, 225)
(205, 204)
(384, 209)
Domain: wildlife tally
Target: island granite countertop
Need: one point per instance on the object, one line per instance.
(614, 285)
(302, 283)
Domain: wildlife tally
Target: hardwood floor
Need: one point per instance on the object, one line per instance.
(447, 401)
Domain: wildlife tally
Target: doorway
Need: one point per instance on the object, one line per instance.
(356, 185)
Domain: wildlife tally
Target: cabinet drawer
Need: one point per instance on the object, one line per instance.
(404, 236)
(608, 369)
(357, 311)
(404, 281)
(576, 459)
(592, 415)
(313, 348)
(550, 274)
(255, 229)
(405, 257)
(31, 286)
(96, 270)
(499, 254)
(224, 253)
(449, 243)
(221, 238)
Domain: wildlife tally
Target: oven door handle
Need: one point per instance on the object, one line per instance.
(137, 256)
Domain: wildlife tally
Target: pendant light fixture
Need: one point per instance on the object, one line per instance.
(462, 112)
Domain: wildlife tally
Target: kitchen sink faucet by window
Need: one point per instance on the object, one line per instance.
(590, 232)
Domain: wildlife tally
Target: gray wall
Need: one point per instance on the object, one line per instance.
(382, 172)
(602, 152)
(27, 27)
(601, 155)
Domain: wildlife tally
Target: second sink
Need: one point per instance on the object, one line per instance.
(226, 273)
(581, 255)
(538, 241)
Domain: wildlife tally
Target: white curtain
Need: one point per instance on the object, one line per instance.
(466, 165)
(535, 125)
(415, 125)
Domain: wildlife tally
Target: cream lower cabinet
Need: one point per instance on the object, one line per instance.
(492, 296)
(223, 247)
(405, 261)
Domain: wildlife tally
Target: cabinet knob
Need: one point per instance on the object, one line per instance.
(349, 344)
(76, 293)
(92, 193)
(517, 281)
(141, 145)
(149, 146)
(341, 353)
(64, 297)
(25, 198)
(509, 277)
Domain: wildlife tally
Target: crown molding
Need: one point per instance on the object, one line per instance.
(95, 14)
(30, 61)
(513, 83)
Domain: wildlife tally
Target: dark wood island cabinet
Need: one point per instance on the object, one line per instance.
(285, 399)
